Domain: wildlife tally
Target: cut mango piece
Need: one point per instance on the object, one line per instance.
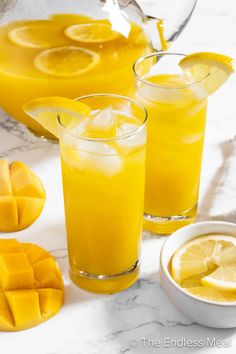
(35, 253)
(24, 306)
(50, 301)
(31, 285)
(16, 271)
(5, 183)
(10, 245)
(28, 209)
(22, 196)
(6, 320)
(25, 182)
(8, 214)
(44, 278)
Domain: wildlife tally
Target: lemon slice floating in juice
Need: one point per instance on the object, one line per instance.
(199, 255)
(37, 34)
(46, 111)
(211, 69)
(66, 61)
(91, 33)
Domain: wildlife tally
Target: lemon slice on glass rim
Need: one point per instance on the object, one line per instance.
(211, 69)
(199, 256)
(66, 61)
(91, 33)
(46, 110)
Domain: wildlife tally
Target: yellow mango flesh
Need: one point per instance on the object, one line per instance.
(31, 285)
(22, 196)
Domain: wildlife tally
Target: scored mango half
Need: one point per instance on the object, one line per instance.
(22, 196)
(31, 285)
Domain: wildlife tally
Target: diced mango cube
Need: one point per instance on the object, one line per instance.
(16, 271)
(5, 183)
(28, 210)
(35, 253)
(8, 214)
(25, 182)
(24, 306)
(22, 196)
(43, 277)
(6, 320)
(10, 245)
(50, 301)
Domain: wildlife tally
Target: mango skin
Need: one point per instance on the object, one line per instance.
(31, 285)
(22, 196)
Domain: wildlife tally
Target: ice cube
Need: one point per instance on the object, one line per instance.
(79, 129)
(73, 132)
(126, 128)
(95, 157)
(152, 96)
(99, 157)
(102, 124)
(135, 138)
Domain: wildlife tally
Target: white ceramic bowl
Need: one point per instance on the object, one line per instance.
(204, 312)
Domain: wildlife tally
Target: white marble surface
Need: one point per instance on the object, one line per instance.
(120, 323)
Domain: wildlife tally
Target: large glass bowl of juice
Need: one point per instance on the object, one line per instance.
(72, 48)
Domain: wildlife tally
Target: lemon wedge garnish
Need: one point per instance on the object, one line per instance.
(66, 61)
(41, 34)
(47, 109)
(211, 69)
(223, 278)
(91, 33)
(198, 256)
(211, 294)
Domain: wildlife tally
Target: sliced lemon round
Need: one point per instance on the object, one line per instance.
(211, 294)
(66, 61)
(38, 34)
(198, 256)
(226, 256)
(91, 33)
(223, 278)
(47, 109)
(211, 69)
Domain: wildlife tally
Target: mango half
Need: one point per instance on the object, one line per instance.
(22, 196)
(31, 285)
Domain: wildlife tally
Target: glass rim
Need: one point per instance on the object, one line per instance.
(119, 137)
(159, 54)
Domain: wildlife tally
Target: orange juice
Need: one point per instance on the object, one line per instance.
(103, 181)
(56, 57)
(174, 151)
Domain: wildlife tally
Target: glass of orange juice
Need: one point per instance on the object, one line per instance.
(103, 168)
(176, 107)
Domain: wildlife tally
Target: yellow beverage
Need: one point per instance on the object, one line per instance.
(50, 58)
(174, 151)
(177, 114)
(103, 181)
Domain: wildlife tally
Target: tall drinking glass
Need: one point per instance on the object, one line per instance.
(103, 181)
(175, 134)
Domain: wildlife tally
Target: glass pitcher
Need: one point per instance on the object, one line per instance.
(74, 47)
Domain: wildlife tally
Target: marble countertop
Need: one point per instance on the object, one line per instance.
(127, 322)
